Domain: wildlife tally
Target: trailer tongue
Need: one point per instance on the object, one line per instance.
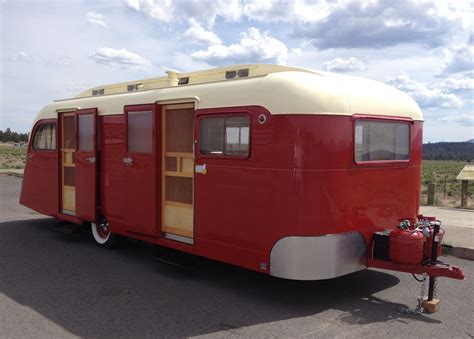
(413, 247)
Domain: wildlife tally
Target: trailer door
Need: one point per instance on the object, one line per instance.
(140, 175)
(85, 162)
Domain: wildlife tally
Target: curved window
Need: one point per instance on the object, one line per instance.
(45, 137)
(381, 141)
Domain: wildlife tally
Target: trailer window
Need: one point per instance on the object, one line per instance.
(227, 136)
(381, 141)
(140, 131)
(85, 132)
(45, 137)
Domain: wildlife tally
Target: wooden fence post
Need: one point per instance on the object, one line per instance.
(464, 193)
(431, 193)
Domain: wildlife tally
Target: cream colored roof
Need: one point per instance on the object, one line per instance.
(280, 89)
(467, 173)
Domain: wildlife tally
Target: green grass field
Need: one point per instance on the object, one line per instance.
(436, 171)
(443, 174)
(12, 157)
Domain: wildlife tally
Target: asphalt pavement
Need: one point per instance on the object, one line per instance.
(57, 285)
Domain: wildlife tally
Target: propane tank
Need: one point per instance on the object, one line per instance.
(406, 246)
(429, 242)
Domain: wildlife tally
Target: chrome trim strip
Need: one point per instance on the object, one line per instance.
(68, 212)
(179, 238)
(314, 258)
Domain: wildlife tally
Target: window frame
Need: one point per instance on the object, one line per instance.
(386, 119)
(35, 130)
(95, 127)
(223, 114)
(141, 108)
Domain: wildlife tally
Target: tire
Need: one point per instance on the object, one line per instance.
(102, 235)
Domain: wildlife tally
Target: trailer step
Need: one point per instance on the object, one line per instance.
(174, 258)
(67, 227)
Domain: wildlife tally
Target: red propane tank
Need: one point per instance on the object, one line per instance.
(406, 246)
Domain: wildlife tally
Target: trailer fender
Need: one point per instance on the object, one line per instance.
(315, 258)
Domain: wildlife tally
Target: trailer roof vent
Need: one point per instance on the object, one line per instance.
(230, 74)
(99, 91)
(183, 81)
(172, 77)
(243, 73)
(134, 87)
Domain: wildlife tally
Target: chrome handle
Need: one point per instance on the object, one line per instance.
(128, 161)
(91, 160)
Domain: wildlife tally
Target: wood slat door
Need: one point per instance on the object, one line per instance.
(68, 170)
(178, 171)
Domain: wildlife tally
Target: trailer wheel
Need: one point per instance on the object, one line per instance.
(102, 235)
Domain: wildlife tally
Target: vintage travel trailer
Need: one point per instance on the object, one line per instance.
(291, 172)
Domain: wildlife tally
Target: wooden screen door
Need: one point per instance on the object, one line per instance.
(68, 147)
(178, 172)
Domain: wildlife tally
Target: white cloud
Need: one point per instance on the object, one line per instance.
(204, 11)
(134, 4)
(197, 34)
(255, 46)
(459, 58)
(120, 58)
(20, 56)
(426, 95)
(463, 119)
(95, 18)
(375, 24)
(457, 84)
(344, 65)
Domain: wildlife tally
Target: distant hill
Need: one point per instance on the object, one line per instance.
(463, 151)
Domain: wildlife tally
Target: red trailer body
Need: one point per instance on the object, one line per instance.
(281, 170)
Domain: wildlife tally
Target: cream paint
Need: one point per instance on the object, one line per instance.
(281, 91)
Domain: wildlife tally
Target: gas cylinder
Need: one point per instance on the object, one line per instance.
(429, 243)
(406, 246)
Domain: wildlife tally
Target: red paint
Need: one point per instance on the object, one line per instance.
(40, 190)
(141, 181)
(300, 179)
(440, 270)
(406, 246)
(86, 171)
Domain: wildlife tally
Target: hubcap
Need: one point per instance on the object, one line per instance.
(103, 229)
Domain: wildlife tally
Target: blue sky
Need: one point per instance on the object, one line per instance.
(55, 49)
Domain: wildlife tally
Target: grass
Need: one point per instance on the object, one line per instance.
(436, 171)
(12, 157)
(443, 174)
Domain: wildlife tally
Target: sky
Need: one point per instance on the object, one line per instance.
(55, 49)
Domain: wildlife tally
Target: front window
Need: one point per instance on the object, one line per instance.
(45, 137)
(381, 141)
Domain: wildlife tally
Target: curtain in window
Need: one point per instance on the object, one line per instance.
(45, 137)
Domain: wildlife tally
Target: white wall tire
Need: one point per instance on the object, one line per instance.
(100, 236)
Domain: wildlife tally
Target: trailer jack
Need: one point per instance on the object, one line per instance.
(431, 268)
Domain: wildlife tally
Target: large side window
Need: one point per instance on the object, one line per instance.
(45, 137)
(140, 131)
(225, 136)
(381, 141)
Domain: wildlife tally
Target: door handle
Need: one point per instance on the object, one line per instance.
(91, 160)
(128, 161)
